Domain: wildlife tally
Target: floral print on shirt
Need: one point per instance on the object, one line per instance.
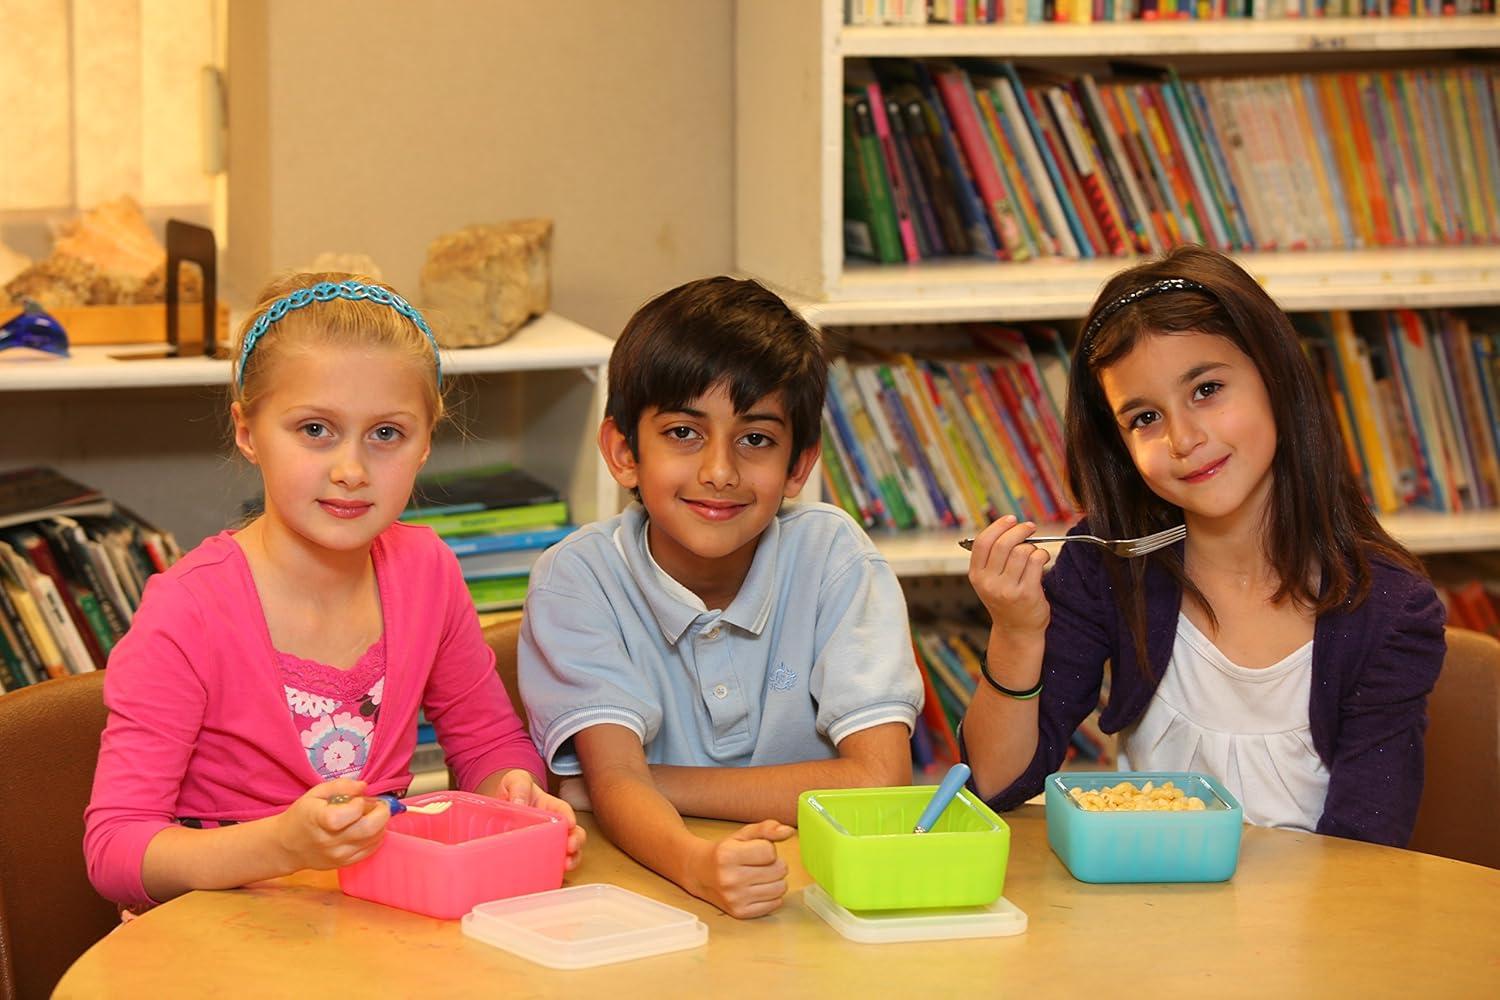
(335, 711)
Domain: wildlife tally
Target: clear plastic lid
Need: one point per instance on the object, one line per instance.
(999, 919)
(583, 926)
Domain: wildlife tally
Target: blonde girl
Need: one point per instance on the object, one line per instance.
(282, 665)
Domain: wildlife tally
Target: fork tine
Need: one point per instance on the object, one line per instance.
(1159, 540)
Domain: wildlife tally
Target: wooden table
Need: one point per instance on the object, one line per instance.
(1303, 916)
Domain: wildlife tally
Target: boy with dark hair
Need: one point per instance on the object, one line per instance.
(708, 652)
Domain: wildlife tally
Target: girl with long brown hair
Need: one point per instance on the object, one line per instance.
(1287, 646)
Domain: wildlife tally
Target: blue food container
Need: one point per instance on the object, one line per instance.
(1123, 846)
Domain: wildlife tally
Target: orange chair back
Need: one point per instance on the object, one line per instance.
(1460, 812)
(49, 912)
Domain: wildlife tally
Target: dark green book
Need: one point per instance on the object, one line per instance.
(862, 144)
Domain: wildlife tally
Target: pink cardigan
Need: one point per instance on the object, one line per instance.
(198, 719)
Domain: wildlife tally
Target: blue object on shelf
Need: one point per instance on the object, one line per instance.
(952, 782)
(33, 327)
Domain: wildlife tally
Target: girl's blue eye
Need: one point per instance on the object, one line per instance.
(388, 433)
(314, 430)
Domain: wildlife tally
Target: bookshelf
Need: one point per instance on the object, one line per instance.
(790, 69)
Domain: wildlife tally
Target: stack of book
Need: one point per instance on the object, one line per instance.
(1418, 397)
(911, 12)
(497, 519)
(949, 654)
(990, 159)
(73, 566)
(951, 439)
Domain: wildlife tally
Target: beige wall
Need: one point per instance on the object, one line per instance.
(374, 126)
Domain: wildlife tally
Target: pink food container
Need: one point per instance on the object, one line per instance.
(478, 850)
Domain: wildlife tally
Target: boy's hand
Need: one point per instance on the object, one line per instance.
(742, 874)
(315, 833)
(517, 785)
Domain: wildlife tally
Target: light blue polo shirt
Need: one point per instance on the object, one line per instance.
(815, 646)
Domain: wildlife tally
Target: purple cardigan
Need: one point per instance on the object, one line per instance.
(1372, 668)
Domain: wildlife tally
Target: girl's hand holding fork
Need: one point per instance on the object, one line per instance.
(1005, 570)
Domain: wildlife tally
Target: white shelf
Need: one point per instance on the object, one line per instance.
(1430, 533)
(936, 552)
(1173, 38)
(547, 343)
(959, 290)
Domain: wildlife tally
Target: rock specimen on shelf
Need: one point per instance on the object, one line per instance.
(482, 283)
(105, 256)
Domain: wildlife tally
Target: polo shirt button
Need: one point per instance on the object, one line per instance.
(711, 633)
(721, 691)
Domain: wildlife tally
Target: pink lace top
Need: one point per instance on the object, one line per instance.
(333, 710)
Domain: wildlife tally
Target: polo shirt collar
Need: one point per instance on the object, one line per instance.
(751, 608)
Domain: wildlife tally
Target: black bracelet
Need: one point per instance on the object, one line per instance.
(984, 670)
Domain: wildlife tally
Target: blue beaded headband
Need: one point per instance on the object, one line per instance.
(1145, 292)
(327, 291)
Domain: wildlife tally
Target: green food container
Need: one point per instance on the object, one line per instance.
(858, 845)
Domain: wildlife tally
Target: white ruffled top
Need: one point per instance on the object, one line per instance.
(1247, 727)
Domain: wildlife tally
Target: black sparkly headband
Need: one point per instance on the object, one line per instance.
(1144, 292)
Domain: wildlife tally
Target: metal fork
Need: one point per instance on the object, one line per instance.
(1126, 548)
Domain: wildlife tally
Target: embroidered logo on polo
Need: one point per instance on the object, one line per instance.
(783, 679)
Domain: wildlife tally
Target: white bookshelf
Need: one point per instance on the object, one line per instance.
(547, 343)
(1173, 38)
(961, 289)
(789, 74)
(153, 433)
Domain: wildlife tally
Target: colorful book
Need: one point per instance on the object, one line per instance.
(492, 522)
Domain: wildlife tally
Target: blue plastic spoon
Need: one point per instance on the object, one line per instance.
(952, 782)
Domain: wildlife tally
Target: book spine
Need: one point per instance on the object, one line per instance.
(864, 482)
(35, 548)
(1325, 169)
(1042, 186)
(1073, 196)
(1140, 168)
(901, 195)
(924, 218)
(913, 487)
(958, 95)
(1099, 198)
(1028, 218)
(935, 178)
(497, 520)
(32, 622)
(1078, 236)
(886, 234)
(29, 656)
(864, 445)
(913, 451)
(1026, 498)
(982, 238)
